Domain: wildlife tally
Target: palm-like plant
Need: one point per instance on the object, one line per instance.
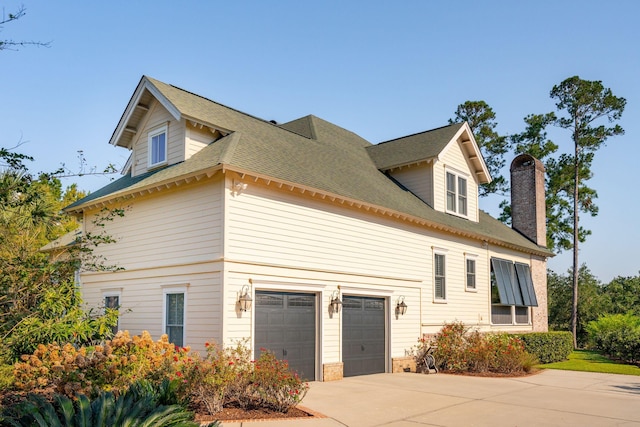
(137, 407)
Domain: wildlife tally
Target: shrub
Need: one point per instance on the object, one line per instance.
(548, 347)
(138, 406)
(6, 376)
(89, 370)
(460, 350)
(616, 335)
(209, 383)
(225, 376)
(273, 385)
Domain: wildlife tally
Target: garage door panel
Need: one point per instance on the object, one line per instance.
(286, 325)
(363, 335)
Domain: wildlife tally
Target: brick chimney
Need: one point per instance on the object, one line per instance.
(528, 213)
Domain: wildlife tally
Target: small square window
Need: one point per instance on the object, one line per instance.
(158, 147)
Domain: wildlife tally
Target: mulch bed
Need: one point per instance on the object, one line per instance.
(239, 414)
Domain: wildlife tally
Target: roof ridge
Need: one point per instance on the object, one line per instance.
(419, 133)
(268, 122)
(230, 148)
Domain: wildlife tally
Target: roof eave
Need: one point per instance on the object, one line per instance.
(143, 85)
(314, 192)
(146, 189)
(482, 172)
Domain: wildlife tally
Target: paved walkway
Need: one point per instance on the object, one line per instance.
(551, 398)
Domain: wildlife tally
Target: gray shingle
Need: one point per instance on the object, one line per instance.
(316, 154)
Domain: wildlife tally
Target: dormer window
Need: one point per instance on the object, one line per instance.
(158, 147)
(456, 194)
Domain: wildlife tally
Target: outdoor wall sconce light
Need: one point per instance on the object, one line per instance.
(401, 307)
(245, 299)
(335, 302)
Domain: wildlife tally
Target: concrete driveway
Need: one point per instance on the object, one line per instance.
(550, 398)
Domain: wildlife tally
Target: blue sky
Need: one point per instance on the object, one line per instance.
(381, 69)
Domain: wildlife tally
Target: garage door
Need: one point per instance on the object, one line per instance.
(286, 325)
(363, 335)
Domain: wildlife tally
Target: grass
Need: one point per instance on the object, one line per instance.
(592, 361)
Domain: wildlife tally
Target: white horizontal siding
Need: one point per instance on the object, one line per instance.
(282, 228)
(196, 140)
(418, 180)
(141, 300)
(156, 117)
(178, 226)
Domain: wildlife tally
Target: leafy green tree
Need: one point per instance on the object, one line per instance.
(581, 105)
(39, 302)
(591, 306)
(558, 182)
(623, 295)
(482, 121)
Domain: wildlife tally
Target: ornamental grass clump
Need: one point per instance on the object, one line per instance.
(461, 350)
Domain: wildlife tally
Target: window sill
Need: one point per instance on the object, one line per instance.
(157, 165)
(440, 301)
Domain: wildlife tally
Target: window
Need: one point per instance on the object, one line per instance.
(462, 196)
(113, 302)
(512, 292)
(451, 192)
(471, 274)
(440, 284)
(456, 194)
(174, 317)
(158, 146)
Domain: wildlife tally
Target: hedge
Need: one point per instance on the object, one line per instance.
(548, 347)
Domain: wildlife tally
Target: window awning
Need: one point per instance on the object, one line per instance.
(514, 282)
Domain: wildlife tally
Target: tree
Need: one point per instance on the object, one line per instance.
(39, 302)
(482, 121)
(582, 104)
(558, 182)
(559, 293)
(623, 295)
(9, 44)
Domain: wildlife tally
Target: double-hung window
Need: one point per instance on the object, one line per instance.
(456, 194)
(439, 277)
(158, 146)
(470, 269)
(174, 316)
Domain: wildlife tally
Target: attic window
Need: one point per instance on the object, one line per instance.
(158, 146)
(456, 194)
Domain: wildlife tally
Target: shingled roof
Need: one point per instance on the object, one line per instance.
(308, 153)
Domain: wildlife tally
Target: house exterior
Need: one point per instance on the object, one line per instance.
(222, 207)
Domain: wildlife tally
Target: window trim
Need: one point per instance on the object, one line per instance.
(467, 258)
(443, 254)
(172, 291)
(457, 197)
(153, 133)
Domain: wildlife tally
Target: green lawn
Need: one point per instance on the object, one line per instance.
(591, 361)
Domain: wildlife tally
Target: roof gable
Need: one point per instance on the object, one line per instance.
(429, 146)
